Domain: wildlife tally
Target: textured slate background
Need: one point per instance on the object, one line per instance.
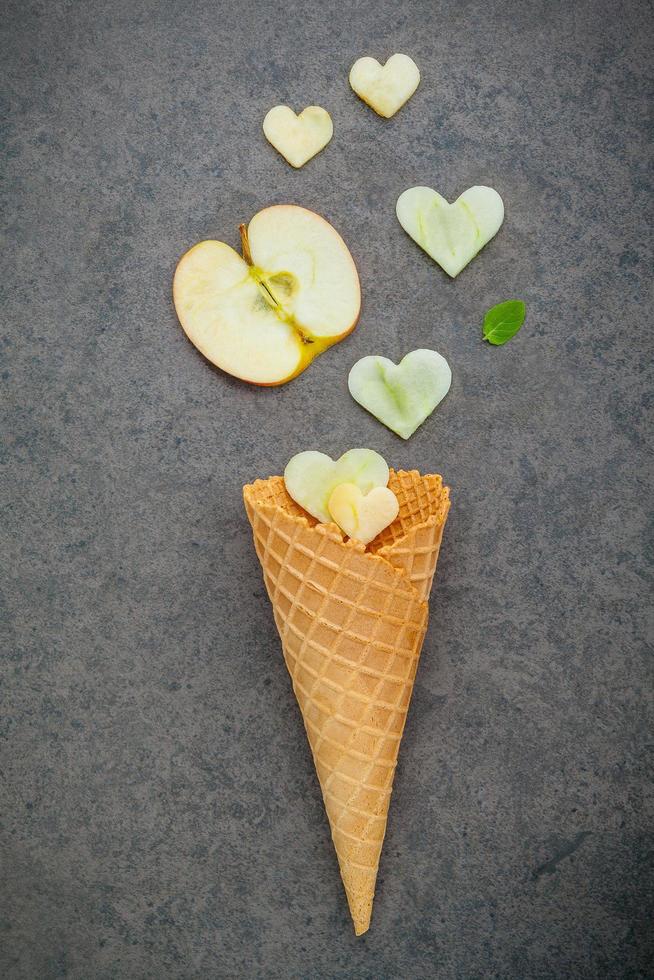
(160, 815)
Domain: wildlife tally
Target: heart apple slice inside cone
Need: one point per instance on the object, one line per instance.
(310, 477)
(264, 317)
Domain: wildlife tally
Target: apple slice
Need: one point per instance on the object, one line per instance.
(401, 395)
(451, 233)
(264, 317)
(387, 88)
(311, 477)
(298, 138)
(361, 516)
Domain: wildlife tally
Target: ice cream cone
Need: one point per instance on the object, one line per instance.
(352, 622)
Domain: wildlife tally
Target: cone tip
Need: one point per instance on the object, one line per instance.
(361, 905)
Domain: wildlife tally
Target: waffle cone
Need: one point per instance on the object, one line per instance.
(352, 621)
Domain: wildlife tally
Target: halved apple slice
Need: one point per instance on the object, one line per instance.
(264, 317)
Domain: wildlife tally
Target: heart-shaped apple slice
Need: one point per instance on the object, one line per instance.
(298, 138)
(401, 395)
(386, 88)
(363, 516)
(451, 233)
(310, 477)
(264, 317)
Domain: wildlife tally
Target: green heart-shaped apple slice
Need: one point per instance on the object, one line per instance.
(311, 477)
(401, 395)
(451, 233)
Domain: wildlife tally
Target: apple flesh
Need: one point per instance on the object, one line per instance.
(298, 138)
(386, 88)
(401, 395)
(451, 233)
(264, 317)
(311, 477)
(360, 516)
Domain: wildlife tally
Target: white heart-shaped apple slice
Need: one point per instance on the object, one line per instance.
(451, 233)
(361, 516)
(298, 138)
(387, 88)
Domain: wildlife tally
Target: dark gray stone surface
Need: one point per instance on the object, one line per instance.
(160, 814)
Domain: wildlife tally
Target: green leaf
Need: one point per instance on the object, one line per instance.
(503, 321)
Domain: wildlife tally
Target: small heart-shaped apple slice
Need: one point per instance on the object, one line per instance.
(401, 395)
(298, 138)
(451, 233)
(385, 89)
(310, 477)
(363, 517)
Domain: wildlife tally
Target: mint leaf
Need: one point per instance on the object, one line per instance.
(503, 321)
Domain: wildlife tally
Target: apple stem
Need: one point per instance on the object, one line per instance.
(245, 244)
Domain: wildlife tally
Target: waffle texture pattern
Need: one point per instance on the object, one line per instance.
(352, 621)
